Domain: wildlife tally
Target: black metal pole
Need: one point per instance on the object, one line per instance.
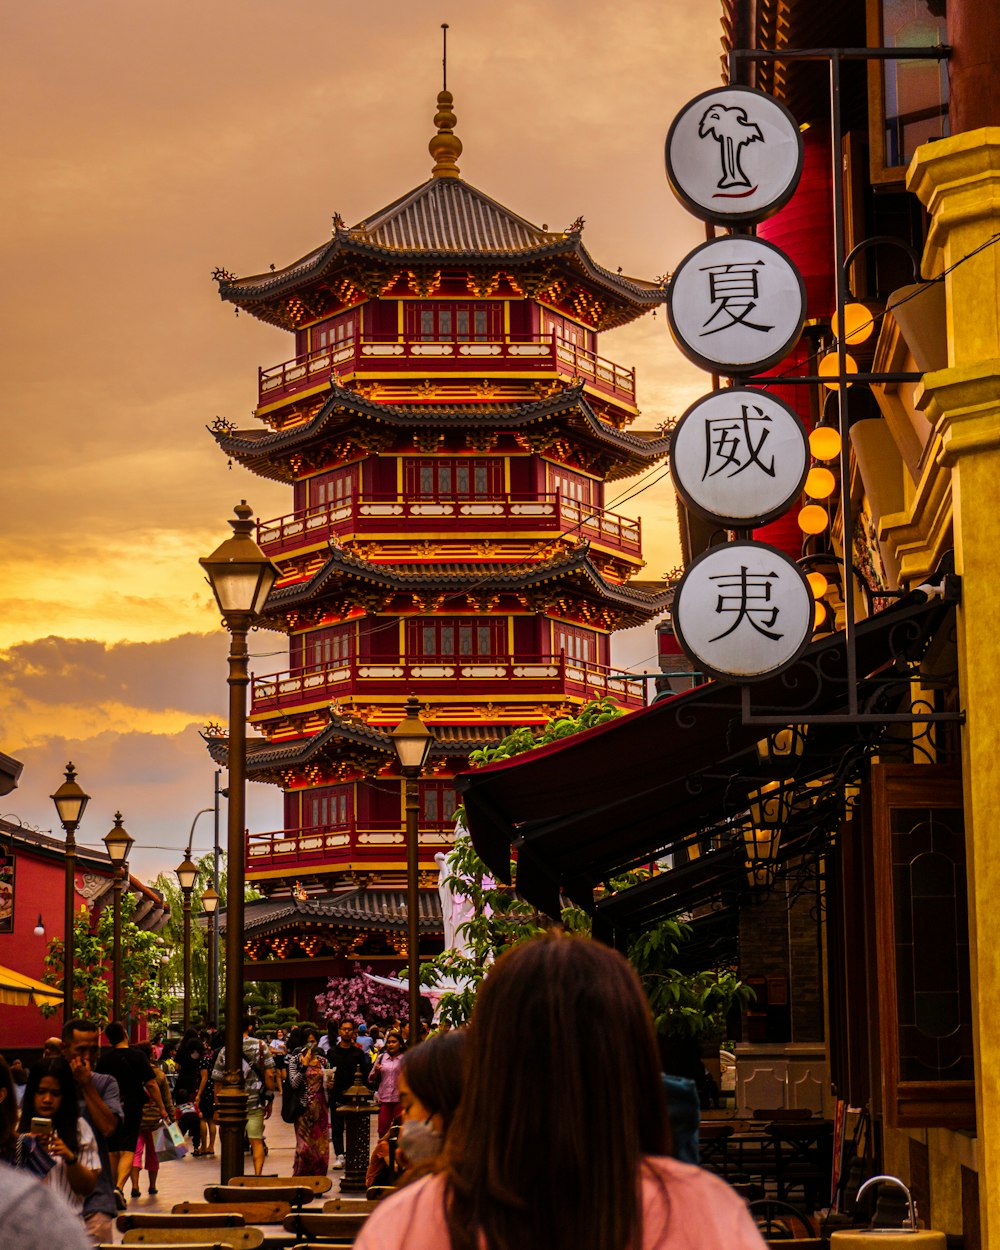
(116, 955)
(187, 959)
(213, 928)
(231, 1097)
(68, 916)
(413, 900)
(839, 251)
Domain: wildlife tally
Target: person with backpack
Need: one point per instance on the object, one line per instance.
(304, 1103)
(258, 1083)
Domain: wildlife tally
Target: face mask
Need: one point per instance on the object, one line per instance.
(419, 1142)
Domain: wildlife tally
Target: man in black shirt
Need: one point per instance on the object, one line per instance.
(137, 1086)
(345, 1058)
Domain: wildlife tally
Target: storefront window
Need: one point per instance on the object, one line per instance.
(909, 105)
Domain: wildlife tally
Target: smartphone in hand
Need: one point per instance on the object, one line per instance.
(41, 1126)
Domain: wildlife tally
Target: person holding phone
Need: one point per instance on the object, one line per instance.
(49, 1114)
(307, 1069)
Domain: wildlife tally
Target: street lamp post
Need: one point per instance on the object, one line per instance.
(412, 740)
(186, 874)
(210, 906)
(70, 800)
(118, 842)
(241, 577)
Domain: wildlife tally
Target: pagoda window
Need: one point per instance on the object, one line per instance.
(339, 486)
(571, 485)
(438, 803)
(458, 478)
(323, 647)
(455, 638)
(575, 643)
(333, 333)
(330, 808)
(567, 330)
(460, 322)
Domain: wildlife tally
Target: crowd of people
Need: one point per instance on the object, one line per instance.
(483, 1142)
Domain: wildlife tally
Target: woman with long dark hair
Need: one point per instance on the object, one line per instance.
(385, 1078)
(561, 1139)
(307, 1070)
(49, 1113)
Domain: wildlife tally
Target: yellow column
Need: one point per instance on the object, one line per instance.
(958, 180)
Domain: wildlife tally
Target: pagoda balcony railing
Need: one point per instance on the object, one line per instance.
(551, 353)
(467, 678)
(507, 514)
(300, 848)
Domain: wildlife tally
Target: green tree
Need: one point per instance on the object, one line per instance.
(93, 948)
(173, 934)
(690, 1006)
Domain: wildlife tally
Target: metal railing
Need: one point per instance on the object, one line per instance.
(500, 514)
(550, 352)
(468, 677)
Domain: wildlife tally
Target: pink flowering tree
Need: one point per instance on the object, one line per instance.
(359, 999)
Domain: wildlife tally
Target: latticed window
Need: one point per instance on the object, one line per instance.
(460, 322)
(575, 643)
(338, 486)
(328, 646)
(438, 803)
(332, 333)
(455, 638)
(329, 808)
(454, 478)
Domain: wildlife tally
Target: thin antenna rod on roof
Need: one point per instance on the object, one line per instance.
(444, 57)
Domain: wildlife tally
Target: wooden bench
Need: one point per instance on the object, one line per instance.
(318, 1184)
(230, 1238)
(156, 1219)
(353, 1206)
(172, 1245)
(296, 1195)
(342, 1225)
(253, 1212)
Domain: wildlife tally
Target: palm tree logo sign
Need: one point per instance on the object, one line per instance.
(732, 129)
(754, 170)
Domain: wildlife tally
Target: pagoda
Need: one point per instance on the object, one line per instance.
(448, 429)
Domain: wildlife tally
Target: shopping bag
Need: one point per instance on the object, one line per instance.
(168, 1142)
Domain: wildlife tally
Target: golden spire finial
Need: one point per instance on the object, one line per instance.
(446, 146)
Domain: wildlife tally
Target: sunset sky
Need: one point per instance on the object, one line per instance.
(145, 145)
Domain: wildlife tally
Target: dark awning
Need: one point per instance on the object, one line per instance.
(631, 790)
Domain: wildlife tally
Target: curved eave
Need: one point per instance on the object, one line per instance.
(264, 757)
(255, 449)
(261, 295)
(499, 577)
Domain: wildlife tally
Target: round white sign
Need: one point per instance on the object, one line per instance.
(739, 457)
(736, 305)
(734, 155)
(743, 611)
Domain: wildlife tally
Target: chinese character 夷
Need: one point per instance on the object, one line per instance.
(748, 597)
(735, 443)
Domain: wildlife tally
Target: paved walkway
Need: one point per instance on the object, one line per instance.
(184, 1180)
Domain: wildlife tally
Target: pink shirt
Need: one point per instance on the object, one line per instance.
(703, 1214)
(388, 1086)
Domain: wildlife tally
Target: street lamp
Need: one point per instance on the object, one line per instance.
(118, 842)
(70, 801)
(209, 905)
(412, 740)
(186, 874)
(241, 577)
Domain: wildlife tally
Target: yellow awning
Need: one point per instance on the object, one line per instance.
(17, 990)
